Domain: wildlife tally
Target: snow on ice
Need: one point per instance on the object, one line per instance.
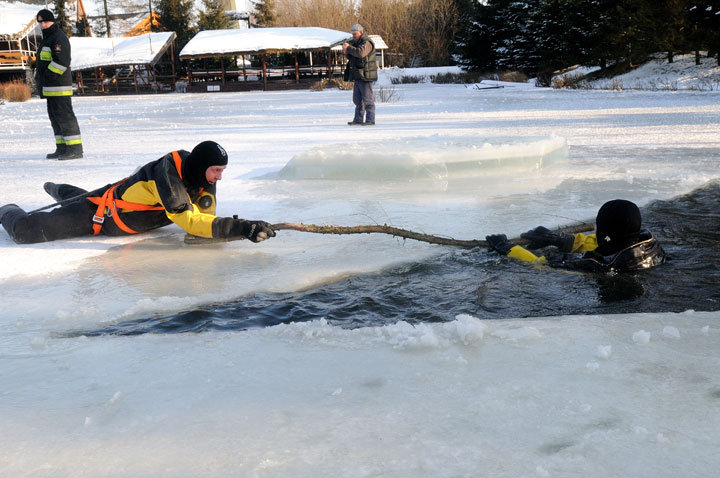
(628, 395)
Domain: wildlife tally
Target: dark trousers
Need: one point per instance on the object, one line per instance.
(364, 101)
(63, 120)
(74, 219)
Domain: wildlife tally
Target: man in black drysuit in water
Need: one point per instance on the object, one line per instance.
(618, 245)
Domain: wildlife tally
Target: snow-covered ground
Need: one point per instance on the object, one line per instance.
(631, 395)
(659, 74)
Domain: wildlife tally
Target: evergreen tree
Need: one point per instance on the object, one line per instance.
(176, 16)
(264, 13)
(669, 24)
(62, 19)
(475, 45)
(213, 16)
(517, 34)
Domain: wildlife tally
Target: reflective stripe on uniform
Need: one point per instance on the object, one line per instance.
(45, 54)
(59, 140)
(69, 140)
(57, 91)
(57, 68)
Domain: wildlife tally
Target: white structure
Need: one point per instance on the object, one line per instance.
(146, 49)
(210, 43)
(219, 45)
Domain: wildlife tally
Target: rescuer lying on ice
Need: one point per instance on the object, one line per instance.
(177, 188)
(618, 245)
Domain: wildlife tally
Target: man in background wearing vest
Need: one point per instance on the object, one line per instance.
(362, 69)
(54, 80)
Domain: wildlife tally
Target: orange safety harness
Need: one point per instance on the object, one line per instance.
(108, 206)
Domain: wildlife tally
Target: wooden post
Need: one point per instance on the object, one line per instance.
(135, 79)
(222, 68)
(297, 70)
(172, 58)
(264, 72)
(243, 66)
(329, 70)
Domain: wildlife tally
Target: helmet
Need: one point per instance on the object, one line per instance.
(618, 224)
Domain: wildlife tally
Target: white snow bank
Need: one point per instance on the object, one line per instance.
(387, 75)
(659, 74)
(435, 157)
(309, 400)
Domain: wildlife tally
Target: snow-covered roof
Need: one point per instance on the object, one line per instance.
(261, 40)
(16, 17)
(140, 50)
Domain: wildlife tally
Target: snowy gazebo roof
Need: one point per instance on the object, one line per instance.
(144, 49)
(211, 43)
(17, 18)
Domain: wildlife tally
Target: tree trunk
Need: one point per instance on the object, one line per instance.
(107, 19)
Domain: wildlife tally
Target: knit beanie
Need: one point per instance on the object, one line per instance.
(204, 155)
(618, 224)
(45, 15)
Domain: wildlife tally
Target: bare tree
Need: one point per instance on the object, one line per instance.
(335, 14)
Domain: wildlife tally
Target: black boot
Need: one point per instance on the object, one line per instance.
(6, 208)
(59, 151)
(72, 151)
(53, 190)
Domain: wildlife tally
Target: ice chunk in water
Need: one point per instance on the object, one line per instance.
(432, 157)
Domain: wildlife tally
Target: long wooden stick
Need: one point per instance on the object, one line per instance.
(384, 229)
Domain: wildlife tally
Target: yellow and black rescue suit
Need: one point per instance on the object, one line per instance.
(643, 253)
(158, 184)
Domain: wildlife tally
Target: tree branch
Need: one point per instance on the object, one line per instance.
(383, 229)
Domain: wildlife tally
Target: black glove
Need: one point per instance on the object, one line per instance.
(499, 243)
(256, 231)
(542, 237)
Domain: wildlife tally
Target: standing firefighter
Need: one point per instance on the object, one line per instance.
(362, 69)
(54, 80)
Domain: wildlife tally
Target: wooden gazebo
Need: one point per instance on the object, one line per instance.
(237, 50)
(124, 64)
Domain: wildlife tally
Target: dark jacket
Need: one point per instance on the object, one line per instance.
(159, 184)
(362, 64)
(644, 254)
(52, 67)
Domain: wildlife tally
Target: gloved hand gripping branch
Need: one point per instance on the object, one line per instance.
(543, 237)
(499, 243)
(256, 231)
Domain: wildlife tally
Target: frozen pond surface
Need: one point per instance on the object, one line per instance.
(596, 394)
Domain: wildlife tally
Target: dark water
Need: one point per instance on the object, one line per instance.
(487, 286)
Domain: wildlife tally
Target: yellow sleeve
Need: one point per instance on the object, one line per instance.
(584, 243)
(519, 252)
(193, 221)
